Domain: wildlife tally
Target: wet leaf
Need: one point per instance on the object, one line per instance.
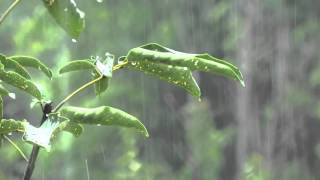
(105, 67)
(5, 92)
(77, 65)
(27, 61)
(195, 62)
(102, 85)
(11, 125)
(18, 81)
(67, 15)
(9, 64)
(180, 76)
(103, 115)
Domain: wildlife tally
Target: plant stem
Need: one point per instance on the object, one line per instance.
(10, 8)
(47, 109)
(76, 92)
(36, 148)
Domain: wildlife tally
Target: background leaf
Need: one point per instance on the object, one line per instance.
(77, 65)
(27, 61)
(1, 109)
(67, 15)
(103, 115)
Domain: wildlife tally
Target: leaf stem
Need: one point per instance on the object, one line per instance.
(10, 8)
(114, 68)
(16, 147)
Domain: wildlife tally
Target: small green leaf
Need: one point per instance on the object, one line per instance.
(103, 116)
(18, 81)
(11, 125)
(27, 61)
(67, 15)
(180, 76)
(71, 127)
(202, 62)
(9, 64)
(77, 65)
(102, 85)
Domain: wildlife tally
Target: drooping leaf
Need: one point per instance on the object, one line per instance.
(18, 81)
(27, 61)
(67, 15)
(102, 85)
(105, 67)
(180, 76)
(103, 115)
(200, 62)
(9, 64)
(11, 125)
(77, 65)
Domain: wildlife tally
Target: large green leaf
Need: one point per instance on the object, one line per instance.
(103, 116)
(67, 15)
(27, 61)
(201, 62)
(77, 65)
(11, 125)
(9, 64)
(180, 76)
(18, 81)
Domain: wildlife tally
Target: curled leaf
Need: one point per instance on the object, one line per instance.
(27, 61)
(103, 115)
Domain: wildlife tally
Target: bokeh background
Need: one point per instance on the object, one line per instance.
(268, 130)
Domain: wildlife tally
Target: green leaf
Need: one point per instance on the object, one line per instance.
(71, 127)
(103, 115)
(11, 125)
(9, 64)
(201, 62)
(18, 81)
(27, 61)
(77, 65)
(67, 15)
(180, 76)
(102, 85)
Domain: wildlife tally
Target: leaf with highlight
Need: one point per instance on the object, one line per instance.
(32, 62)
(11, 125)
(103, 115)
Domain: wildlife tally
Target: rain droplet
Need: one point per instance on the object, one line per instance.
(99, 1)
(170, 66)
(74, 40)
(98, 124)
(65, 9)
(133, 63)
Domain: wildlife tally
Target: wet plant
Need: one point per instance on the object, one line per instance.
(152, 59)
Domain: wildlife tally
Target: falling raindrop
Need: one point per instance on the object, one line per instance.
(74, 40)
(65, 9)
(100, 1)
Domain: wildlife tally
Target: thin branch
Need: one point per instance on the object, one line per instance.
(16, 147)
(10, 8)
